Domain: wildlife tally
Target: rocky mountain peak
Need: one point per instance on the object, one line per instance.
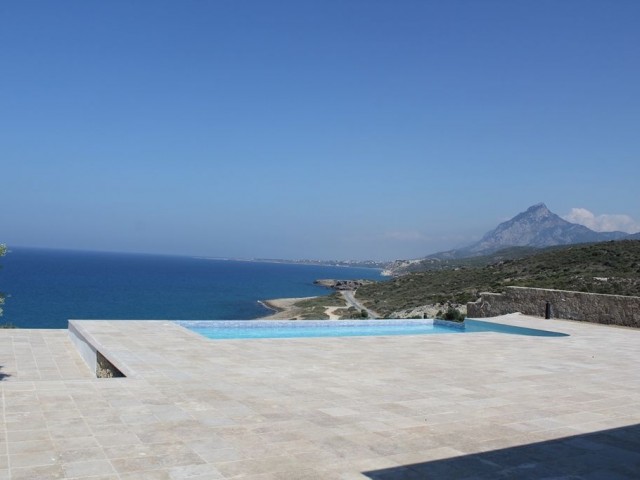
(539, 209)
(535, 227)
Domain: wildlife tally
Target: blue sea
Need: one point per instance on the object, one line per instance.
(45, 288)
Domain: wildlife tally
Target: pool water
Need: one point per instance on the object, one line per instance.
(222, 329)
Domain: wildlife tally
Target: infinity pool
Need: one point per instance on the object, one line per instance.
(236, 329)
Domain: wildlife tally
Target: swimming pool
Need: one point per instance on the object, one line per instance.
(236, 329)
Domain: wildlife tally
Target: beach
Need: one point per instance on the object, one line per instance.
(286, 309)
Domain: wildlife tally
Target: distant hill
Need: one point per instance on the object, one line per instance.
(535, 228)
(604, 267)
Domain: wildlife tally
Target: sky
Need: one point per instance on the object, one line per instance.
(328, 129)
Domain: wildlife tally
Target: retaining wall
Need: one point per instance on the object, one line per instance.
(587, 307)
(87, 347)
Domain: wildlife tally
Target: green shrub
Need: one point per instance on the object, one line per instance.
(452, 314)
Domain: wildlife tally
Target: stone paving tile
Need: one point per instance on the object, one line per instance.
(475, 406)
(88, 468)
(148, 475)
(88, 454)
(30, 446)
(47, 472)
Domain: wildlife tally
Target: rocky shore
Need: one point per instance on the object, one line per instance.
(287, 309)
(428, 311)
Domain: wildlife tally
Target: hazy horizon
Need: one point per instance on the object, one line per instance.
(600, 224)
(324, 130)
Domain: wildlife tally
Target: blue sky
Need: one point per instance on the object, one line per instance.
(312, 129)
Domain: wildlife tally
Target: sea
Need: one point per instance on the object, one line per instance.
(45, 288)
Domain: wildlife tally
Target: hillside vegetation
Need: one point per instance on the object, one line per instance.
(608, 267)
(402, 267)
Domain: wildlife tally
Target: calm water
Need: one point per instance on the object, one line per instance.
(348, 328)
(45, 288)
(288, 329)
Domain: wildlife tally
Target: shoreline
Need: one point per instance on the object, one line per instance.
(283, 308)
(294, 262)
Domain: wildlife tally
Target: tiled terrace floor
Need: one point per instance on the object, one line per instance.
(483, 405)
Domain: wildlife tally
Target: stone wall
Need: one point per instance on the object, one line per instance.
(587, 307)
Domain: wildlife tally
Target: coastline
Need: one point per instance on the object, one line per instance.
(284, 308)
(213, 282)
(318, 263)
(316, 308)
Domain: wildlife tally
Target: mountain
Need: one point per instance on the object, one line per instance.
(535, 228)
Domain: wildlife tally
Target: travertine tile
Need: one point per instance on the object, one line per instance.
(444, 405)
(88, 468)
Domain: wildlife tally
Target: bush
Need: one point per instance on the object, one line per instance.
(452, 314)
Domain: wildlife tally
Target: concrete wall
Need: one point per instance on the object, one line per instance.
(97, 362)
(86, 350)
(587, 307)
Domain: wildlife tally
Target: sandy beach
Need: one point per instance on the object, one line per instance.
(284, 308)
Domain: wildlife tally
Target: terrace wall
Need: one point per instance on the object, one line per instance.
(587, 307)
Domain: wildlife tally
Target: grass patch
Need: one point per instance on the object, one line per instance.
(315, 308)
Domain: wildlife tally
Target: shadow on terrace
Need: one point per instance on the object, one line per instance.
(609, 454)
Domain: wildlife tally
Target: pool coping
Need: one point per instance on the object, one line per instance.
(82, 334)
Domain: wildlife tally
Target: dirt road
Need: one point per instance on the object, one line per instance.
(349, 297)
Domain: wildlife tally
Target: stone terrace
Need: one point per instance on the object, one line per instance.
(482, 405)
